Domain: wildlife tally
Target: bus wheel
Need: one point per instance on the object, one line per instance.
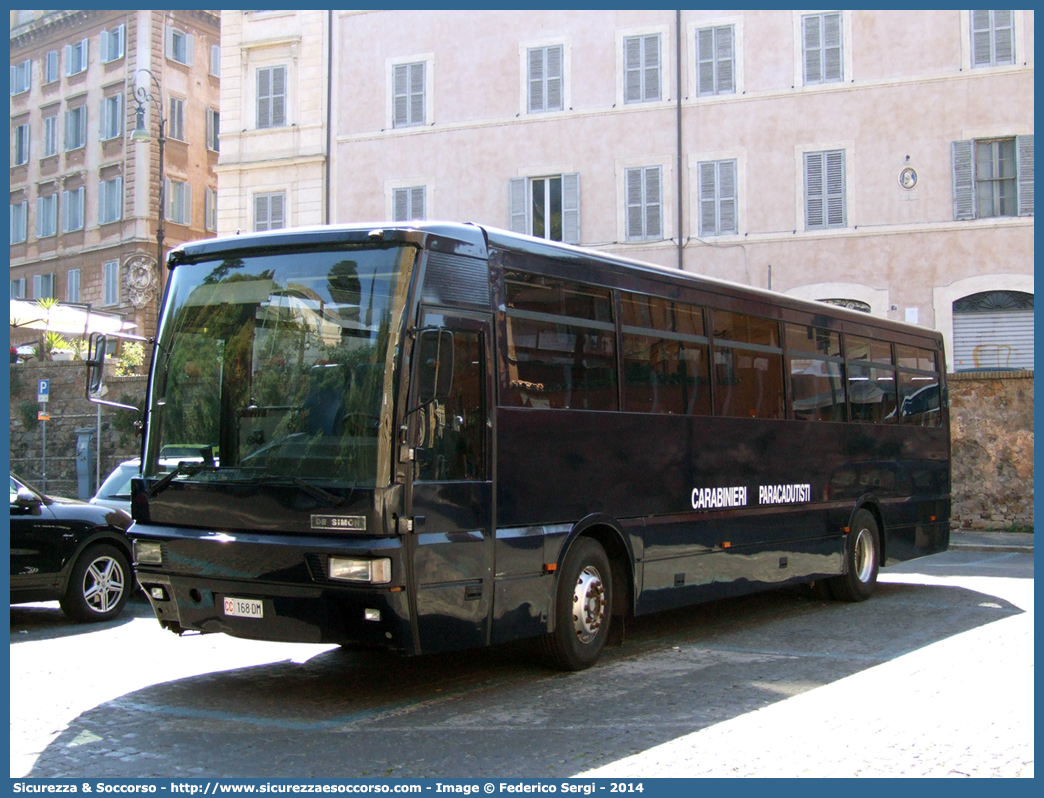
(862, 559)
(583, 608)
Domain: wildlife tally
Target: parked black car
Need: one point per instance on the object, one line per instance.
(71, 551)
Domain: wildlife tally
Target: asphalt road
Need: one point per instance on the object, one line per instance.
(933, 676)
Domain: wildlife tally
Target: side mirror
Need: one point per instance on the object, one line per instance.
(96, 344)
(435, 365)
(26, 498)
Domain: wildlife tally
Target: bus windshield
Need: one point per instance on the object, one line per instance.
(279, 367)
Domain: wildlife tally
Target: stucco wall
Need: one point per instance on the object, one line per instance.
(69, 411)
(991, 421)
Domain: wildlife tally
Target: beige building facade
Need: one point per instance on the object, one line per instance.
(84, 197)
(816, 153)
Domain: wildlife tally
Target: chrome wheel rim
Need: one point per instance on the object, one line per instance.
(864, 555)
(588, 604)
(103, 584)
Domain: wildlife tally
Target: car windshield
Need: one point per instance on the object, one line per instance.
(118, 484)
(279, 367)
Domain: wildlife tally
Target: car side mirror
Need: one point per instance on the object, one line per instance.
(96, 345)
(26, 498)
(435, 365)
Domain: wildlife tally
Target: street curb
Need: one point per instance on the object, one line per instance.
(998, 548)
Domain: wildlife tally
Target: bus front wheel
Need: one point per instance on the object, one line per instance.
(862, 560)
(583, 608)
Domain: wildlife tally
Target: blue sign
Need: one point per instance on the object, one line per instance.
(43, 391)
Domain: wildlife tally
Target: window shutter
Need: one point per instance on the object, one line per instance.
(813, 44)
(832, 67)
(708, 199)
(210, 128)
(815, 211)
(417, 201)
(536, 80)
(652, 67)
(1003, 38)
(215, 60)
(261, 213)
(278, 96)
(653, 203)
(727, 198)
(169, 41)
(1024, 156)
(517, 203)
(401, 96)
(104, 41)
(120, 39)
(417, 116)
(571, 208)
(554, 79)
(66, 206)
(168, 200)
(705, 61)
(40, 221)
(835, 188)
(963, 153)
(632, 69)
(68, 59)
(276, 212)
(186, 208)
(723, 56)
(13, 78)
(402, 204)
(633, 187)
(188, 49)
(264, 97)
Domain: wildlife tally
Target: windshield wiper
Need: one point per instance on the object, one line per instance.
(312, 490)
(186, 468)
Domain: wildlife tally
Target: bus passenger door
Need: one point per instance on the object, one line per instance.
(453, 494)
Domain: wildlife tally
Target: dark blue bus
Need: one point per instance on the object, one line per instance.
(443, 436)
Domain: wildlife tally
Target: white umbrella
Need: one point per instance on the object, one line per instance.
(66, 319)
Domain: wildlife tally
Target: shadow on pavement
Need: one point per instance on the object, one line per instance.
(498, 712)
(45, 620)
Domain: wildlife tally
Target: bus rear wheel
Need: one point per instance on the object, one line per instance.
(862, 560)
(583, 608)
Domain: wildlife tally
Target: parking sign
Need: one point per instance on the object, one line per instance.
(43, 391)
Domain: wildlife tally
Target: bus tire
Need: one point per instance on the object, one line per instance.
(862, 560)
(583, 608)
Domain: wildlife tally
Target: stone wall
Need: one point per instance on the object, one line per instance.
(991, 422)
(69, 411)
(991, 427)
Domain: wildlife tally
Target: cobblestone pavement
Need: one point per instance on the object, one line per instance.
(932, 676)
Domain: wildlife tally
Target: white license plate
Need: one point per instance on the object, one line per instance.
(243, 608)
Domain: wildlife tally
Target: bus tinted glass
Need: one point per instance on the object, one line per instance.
(817, 386)
(871, 388)
(561, 344)
(748, 366)
(918, 387)
(665, 357)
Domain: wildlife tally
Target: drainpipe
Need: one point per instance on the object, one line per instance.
(678, 69)
(329, 106)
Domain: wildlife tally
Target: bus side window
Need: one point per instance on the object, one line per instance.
(817, 384)
(872, 390)
(748, 366)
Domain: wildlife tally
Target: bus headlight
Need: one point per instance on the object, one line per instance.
(375, 572)
(148, 552)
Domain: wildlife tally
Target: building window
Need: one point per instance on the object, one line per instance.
(270, 211)
(210, 210)
(20, 77)
(992, 331)
(111, 280)
(176, 119)
(408, 101)
(76, 58)
(43, 286)
(50, 138)
(51, 67)
(46, 216)
(110, 200)
(20, 144)
(641, 68)
(825, 189)
(644, 189)
(213, 128)
(112, 44)
(992, 177)
(18, 288)
(546, 67)
(717, 192)
(72, 285)
(716, 60)
(72, 210)
(271, 96)
(821, 48)
(179, 202)
(992, 38)
(215, 60)
(409, 204)
(112, 117)
(179, 46)
(75, 128)
(19, 220)
(547, 207)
